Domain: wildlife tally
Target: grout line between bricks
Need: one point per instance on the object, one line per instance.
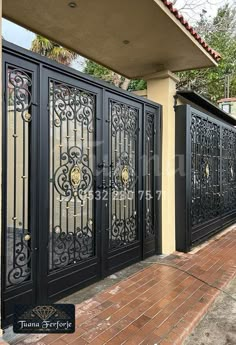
(196, 277)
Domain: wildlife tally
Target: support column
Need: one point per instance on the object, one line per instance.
(161, 88)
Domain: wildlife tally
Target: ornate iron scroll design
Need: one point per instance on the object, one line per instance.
(205, 169)
(19, 269)
(19, 92)
(123, 231)
(72, 115)
(71, 103)
(228, 169)
(73, 246)
(149, 175)
(18, 236)
(123, 119)
(73, 178)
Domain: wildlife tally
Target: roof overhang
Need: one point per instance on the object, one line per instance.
(134, 38)
(204, 103)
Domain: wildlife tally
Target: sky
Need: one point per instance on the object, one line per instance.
(23, 37)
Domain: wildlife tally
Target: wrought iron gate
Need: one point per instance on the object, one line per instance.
(80, 180)
(206, 189)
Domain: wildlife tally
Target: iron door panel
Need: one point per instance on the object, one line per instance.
(19, 242)
(69, 231)
(210, 178)
(122, 167)
(228, 166)
(151, 172)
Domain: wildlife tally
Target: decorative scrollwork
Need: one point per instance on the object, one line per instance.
(124, 176)
(149, 232)
(149, 228)
(72, 103)
(149, 124)
(19, 88)
(74, 177)
(205, 169)
(122, 232)
(71, 247)
(228, 169)
(19, 269)
(124, 118)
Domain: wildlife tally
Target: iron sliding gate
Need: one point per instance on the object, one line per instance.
(79, 180)
(206, 181)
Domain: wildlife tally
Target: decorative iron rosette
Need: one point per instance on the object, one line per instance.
(124, 174)
(74, 178)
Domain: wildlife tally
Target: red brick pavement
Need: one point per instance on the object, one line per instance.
(158, 305)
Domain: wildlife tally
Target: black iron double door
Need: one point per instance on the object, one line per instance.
(79, 181)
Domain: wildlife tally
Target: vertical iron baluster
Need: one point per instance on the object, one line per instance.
(120, 201)
(85, 196)
(110, 171)
(14, 181)
(82, 202)
(75, 197)
(23, 180)
(53, 166)
(60, 150)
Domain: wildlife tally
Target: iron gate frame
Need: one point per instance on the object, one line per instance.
(20, 58)
(183, 189)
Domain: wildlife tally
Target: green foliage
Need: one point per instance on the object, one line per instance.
(109, 76)
(220, 34)
(97, 71)
(137, 84)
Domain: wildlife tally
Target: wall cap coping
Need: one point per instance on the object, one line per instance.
(162, 75)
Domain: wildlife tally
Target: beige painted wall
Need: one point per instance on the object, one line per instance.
(161, 88)
(142, 93)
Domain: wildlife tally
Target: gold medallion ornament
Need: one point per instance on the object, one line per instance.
(207, 171)
(75, 176)
(125, 175)
(27, 117)
(27, 237)
(232, 172)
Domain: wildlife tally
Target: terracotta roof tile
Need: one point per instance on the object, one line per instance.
(216, 56)
(231, 99)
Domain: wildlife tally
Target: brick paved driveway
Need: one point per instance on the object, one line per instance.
(160, 304)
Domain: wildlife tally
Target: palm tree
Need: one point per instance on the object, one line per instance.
(52, 50)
